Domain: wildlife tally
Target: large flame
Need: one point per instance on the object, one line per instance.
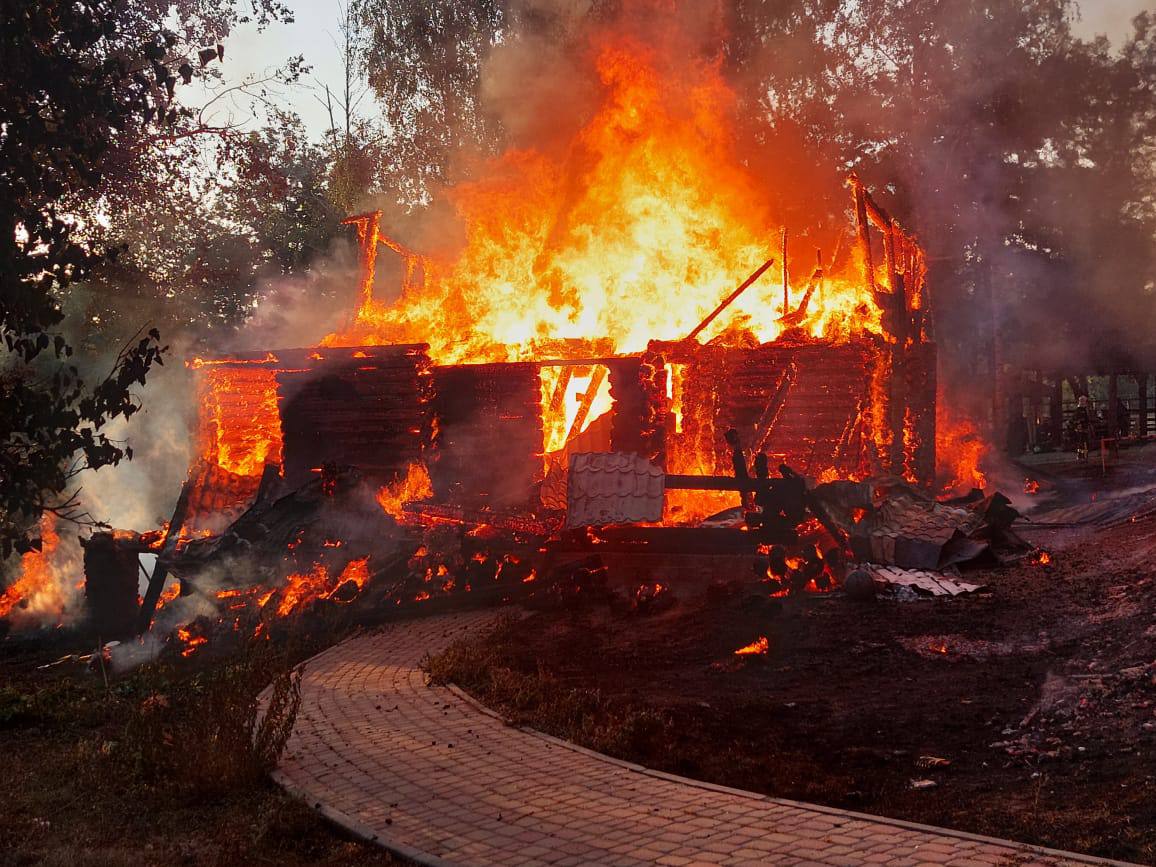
(38, 595)
(414, 485)
(632, 232)
(241, 426)
(960, 451)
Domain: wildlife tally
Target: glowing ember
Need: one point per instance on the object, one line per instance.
(173, 591)
(758, 647)
(1043, 558)
(316, 584)
(191, 642)
(1031, 486)
(414, 486)
(938, 647)
(356, 571)
(39, 592)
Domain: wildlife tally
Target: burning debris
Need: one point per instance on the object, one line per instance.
(759, 647)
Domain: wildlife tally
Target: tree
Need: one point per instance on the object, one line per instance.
(82, 87)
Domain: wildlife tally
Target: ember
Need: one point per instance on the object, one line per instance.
(759, 647)
(190, 642)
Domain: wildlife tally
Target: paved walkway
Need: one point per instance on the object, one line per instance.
(428, 774)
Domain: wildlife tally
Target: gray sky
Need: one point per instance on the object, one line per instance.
(1109, 17)
(315, 29)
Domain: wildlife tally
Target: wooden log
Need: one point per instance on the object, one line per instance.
(726, 302)
(765, 426)
(168, 547)
(678, 482)
(587, 402)
(786, 275)
(859, 196)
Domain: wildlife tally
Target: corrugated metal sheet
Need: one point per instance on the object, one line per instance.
(217, 497)
(595, 438)
(920, 580)
(613, 488)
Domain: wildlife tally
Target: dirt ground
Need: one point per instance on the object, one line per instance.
(1028, 711)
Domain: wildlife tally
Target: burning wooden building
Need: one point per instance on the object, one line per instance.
(594, 305)
(497, 436)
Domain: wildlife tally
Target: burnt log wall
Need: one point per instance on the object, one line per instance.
(370, 411)
(828, 415)
(488, 447)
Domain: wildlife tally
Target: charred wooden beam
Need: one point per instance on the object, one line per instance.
(859, 198)
(160, 570)
(786, 275)
(726, 302)
(479, 517)
(677, 482)
(368, 227)
(596, 380)
(766, 423)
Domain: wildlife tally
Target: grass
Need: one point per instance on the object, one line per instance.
(166, 765)
(486, 668)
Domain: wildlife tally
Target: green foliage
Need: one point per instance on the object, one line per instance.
(86, 93)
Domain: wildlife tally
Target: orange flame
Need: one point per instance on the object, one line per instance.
(38, 592)
(959, 450)
(315, 584)
(415, 485)
(241, 425)
(651, 199)
(758, 647)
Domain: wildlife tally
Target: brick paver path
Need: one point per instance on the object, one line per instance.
(426, 773)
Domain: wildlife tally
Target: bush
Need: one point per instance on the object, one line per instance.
(216, 736)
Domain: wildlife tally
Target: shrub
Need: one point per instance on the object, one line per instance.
(217, 734)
